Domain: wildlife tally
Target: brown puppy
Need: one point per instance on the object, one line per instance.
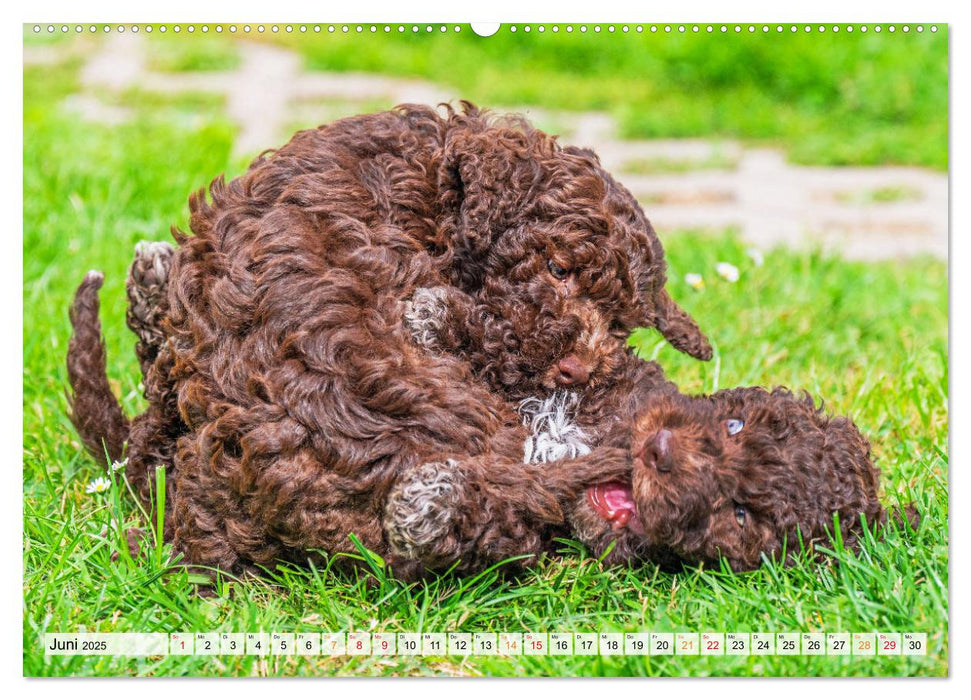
(742, 474)
(737, 475)
(289, 400)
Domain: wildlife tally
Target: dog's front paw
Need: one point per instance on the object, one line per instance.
(421, 511)
(425, 314)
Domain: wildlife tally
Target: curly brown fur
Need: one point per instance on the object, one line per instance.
(557, 263)
(439, 512)
(703, 493)
(288, 399)
(434, 498)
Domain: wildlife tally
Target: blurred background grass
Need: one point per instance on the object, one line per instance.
(829, 98)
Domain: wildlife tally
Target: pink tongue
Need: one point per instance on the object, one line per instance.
(613, 500)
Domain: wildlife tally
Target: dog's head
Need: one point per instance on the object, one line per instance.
(740, 474)
(560, 257)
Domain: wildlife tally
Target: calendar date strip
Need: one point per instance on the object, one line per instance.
(487, 644)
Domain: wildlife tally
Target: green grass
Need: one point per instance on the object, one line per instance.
(177, 54)
(829, 98)
(870, 338)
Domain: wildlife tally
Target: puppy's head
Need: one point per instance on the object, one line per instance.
(561, 257)
(740, 474)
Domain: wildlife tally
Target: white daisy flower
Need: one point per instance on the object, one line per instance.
(695, 280)
(727, 271)
(755, 255)
(119, 466)
(99, 485)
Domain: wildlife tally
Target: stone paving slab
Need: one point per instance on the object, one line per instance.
(719, 184)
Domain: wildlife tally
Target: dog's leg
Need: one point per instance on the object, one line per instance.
(147, 287)
(154, 434)
(483, 510)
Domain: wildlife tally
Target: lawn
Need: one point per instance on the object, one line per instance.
(827, 97)
(870, 338)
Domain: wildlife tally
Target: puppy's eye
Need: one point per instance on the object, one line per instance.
(734, 426)
(740, 515)
(558, 272)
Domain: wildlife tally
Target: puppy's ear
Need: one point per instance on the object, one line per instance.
(679, 328)
(469, 194)
(486, 175)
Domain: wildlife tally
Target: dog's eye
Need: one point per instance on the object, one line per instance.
(740, 515)
(734, 426)
(558, 272)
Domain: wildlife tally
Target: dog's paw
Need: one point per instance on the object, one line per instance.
(148, 278)
(553, 432)
(421, 510)
(150, 269)
(147, 287)
(425, 314)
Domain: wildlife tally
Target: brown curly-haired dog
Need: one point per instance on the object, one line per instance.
(440, 511)
(742, 474)
(289, 400)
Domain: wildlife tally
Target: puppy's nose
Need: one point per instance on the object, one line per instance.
(658, 451)
(571, 371)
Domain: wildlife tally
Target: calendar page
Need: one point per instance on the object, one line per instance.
(513, 349)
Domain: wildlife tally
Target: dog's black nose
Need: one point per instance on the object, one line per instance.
(658, 451)
(571, 371)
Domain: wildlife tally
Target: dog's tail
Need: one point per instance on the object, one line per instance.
(94, 410)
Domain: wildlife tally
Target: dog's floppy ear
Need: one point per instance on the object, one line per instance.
(484, 177)
(468, 190)
(679, 328)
